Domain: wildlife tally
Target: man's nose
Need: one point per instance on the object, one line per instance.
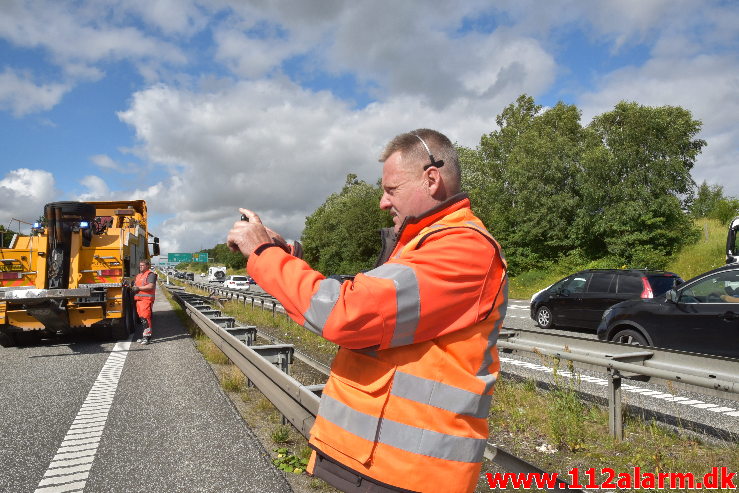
(385, 202)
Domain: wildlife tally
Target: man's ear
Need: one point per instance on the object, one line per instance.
(434, 182)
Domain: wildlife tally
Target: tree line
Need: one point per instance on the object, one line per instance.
(615, 192)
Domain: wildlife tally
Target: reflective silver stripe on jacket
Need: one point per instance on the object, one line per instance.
(405, 437)
(441, 395)
(408, 300)
(484, 371)
(144, 295)
(321, 305)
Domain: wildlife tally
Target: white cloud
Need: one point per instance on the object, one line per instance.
(20, 95)
(251, 57)
(104, 161)
(275, 148)
(23, 194)
(97, 189)
(706, 85)
(76, 37)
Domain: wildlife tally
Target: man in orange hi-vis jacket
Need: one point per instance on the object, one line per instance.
(143, 289)
(406, 405)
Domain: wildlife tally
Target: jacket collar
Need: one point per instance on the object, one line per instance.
(412, 225)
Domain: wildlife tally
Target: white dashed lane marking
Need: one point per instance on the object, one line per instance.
(71, 465)
(728, 411)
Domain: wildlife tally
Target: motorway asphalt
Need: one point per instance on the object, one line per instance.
(164, 425)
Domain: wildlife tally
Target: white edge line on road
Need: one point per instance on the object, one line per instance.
(727, 411)
(65, 472)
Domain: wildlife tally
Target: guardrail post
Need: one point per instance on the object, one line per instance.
(274, 305)
(615, 417)
(280, 355)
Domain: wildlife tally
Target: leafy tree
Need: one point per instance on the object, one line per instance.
(222, 255)
(341, 236)
(549, 188)
(710, 202)
(6, 237)
(636, 181)
(523, 181)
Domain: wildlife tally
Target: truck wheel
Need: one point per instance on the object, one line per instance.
(118, 330)
(27, 337)
(7, 340)
(129, 310)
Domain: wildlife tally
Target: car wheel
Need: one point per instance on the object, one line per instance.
(544, 317)
(629, 336)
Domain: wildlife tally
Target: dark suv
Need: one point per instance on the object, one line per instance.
(580, 299)
(700, 316)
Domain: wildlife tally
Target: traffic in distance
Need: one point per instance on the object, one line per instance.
(650, 308)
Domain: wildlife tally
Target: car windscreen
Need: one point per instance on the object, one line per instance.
(243, 279)
(661, 284)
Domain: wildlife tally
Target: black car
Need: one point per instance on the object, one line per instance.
(580, 299)
(700, 316)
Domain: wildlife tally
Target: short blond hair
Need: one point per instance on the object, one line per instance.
(413, 152)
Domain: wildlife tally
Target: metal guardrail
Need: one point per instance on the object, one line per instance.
(625, 361)
(267, 367)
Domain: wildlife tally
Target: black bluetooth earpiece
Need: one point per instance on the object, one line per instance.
(434, 162)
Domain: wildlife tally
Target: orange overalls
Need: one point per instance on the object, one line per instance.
(145, 298)
(408, 397)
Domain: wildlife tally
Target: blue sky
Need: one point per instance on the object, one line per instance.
(200, 107)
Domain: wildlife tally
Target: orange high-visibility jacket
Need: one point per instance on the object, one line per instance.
(409, 393)
(142, 279)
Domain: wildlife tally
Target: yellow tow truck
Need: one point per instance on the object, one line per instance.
(67, 274)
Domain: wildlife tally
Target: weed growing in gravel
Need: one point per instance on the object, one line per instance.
(288, 462)
(281, 434)
(210, 351)
(566, 411)
(232, 380)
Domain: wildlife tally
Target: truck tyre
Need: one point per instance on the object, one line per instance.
(81, 209)
(27, 337)
(129, 310)
(220, 275)
(124, 326)
(118, 330)
(7, 340)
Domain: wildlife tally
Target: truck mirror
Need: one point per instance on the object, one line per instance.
(155, 249)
